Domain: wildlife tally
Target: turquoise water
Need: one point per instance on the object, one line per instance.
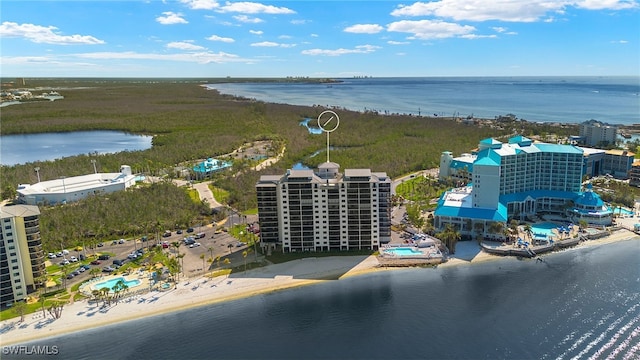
(402, 251)
(211, 165)
(111, 283)
(623, 211)
(544, 228)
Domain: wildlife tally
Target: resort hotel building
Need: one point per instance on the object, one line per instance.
(514, 180)
(75, 188)
(21, 253)
(323, 210)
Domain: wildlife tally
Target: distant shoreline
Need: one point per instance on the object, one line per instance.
(200, 292)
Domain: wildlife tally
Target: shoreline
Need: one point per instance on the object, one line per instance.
(201, 291)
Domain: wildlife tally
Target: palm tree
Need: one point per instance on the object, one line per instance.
(19, 307)
(450, 236)
(177, 244)
(202, 256)
(218, 260)
(528, 231)
(210, 249)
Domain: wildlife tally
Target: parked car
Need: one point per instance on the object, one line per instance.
(77, 272)
(95, 262)
(52, 256)
(103, 257)
(165, 244)
(132, 256)
(65, 252)
(118, 262)
(108, 269)
(73, 259)
(239, 244)
(200, 235)
(194, 245)
(78, 248)
(121, 241)
(59, 254)
(167, 233)
(82, 257)
(179, 231)
(65, 262)
(70, 276)
(100, 244)
(190, 230)
(86, 267)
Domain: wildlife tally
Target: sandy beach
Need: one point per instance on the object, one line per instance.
(203, 291)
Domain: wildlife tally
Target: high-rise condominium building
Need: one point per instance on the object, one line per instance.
(306, 210)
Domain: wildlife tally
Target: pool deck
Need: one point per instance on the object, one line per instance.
(143, 276)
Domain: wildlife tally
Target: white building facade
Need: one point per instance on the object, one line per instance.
(75, 188)
(21, 254)
(325, 210)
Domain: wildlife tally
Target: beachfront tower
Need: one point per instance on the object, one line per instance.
(323, 210)
(516, 180)
(21, 253)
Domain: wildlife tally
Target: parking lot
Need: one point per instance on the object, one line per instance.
(211, 245)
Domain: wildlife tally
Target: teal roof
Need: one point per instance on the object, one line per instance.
(520, 140)
(557, 148)
(473, 213)
(491, 142)
(589, 198)
(488, 157)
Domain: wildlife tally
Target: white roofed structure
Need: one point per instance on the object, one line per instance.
(69, 189)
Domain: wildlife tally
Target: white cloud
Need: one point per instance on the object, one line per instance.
(256, 32)
(199, 57)
(272, 44)
(503, 30)
(430, 29)
(392, 42)
(513, 10)
(254, 8)
(201, 4)
(314, 35)
(606, 4)
(284, 37)
(170, 18)
(619, 42)
(364, 29)
(361, 49)
(184, 45)
(220, 38)
(475, 36)
(44, 34)
(246, 19)
(300, 22)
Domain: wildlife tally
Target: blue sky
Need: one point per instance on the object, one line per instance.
(207, 38)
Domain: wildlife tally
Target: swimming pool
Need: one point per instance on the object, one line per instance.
(111, 283)
(403, 251)
(622, 211)
(544, 229)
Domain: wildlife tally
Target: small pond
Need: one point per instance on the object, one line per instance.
(24, 148)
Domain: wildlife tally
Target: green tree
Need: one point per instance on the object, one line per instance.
(19, 308)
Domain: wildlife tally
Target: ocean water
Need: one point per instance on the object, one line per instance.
(615, 100)
(581, 303)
